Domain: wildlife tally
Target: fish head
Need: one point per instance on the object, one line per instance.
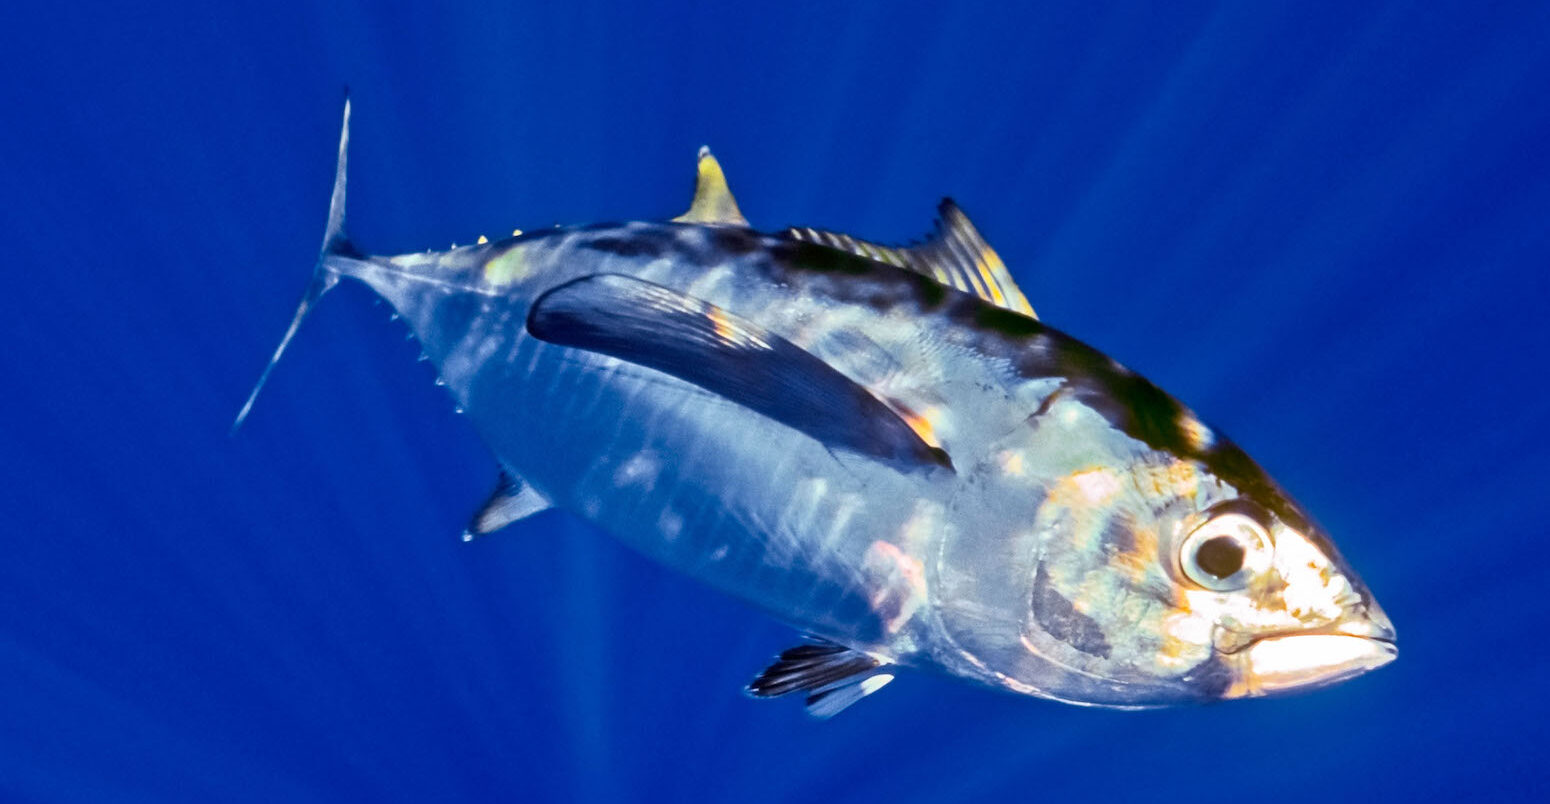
(1281, 609)
(1215, 584)
(1145, 575)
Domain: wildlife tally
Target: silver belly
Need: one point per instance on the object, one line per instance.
(832, 543)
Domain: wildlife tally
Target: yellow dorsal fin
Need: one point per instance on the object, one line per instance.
(713, 202)
(956, 255)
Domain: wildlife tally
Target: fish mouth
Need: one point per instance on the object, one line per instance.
(1307, 660)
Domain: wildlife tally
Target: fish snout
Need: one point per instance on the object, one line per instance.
(1367, 620)
(1361, 641)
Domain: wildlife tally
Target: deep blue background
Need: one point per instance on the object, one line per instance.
(1323, 225)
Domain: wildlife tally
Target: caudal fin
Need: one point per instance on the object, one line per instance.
(335, 243)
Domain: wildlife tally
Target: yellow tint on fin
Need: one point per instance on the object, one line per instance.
(956, 256)
(713, 202)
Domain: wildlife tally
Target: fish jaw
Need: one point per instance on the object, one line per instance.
(1297, 662)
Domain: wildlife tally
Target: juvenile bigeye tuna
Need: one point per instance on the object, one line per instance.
(883, 447)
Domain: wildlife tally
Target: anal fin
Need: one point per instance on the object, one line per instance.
(832, 675)
(512, 500)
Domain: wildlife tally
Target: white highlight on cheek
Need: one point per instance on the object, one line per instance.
(1186, 640)
(1239, 614)
(1309, 593)
(1229, 609)
(1189, 627)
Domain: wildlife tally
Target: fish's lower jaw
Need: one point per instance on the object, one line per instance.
(1299, 662)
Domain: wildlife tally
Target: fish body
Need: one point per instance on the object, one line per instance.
(883, 447)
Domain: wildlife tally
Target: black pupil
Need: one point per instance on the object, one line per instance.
(1220, 556)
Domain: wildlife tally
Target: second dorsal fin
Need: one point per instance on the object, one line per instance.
(956, 255)
(713, 201)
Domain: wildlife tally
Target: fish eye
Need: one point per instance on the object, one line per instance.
(1225, 552)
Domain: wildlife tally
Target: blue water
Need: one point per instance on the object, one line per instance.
(1325, 226)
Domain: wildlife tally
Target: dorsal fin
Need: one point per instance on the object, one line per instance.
(713, 201)
(955, 255)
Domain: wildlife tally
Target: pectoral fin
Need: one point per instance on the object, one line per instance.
(512, 500)
(700, 343)
(833, 676)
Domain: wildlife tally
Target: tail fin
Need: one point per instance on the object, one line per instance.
(335, 243)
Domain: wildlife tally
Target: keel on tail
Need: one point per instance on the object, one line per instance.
(336, 243)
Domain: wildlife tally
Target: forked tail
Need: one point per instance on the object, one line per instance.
(335, 243)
